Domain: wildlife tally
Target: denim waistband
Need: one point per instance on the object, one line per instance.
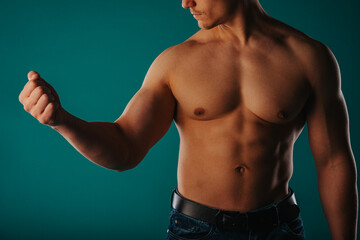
(275, 204)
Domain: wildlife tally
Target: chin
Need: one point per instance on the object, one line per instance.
(206, 26)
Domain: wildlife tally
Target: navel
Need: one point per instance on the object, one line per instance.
(199, 111)
(282, 115)
(240, 169)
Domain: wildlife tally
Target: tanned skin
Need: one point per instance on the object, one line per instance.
(240, 91)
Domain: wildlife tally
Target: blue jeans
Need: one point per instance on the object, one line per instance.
(183, 227)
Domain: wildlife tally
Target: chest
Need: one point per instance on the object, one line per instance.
(212, 84)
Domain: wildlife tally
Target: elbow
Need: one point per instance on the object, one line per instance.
(120, 169)
(341, 166)
(132, 163)
(123, 168)
(129, 162)
(129, 154)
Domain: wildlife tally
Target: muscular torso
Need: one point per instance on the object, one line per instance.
(239, 110)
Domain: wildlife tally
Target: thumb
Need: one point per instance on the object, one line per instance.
(32, 75)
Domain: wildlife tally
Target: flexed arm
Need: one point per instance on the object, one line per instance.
(120, 145)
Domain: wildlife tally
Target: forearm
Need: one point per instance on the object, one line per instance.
(103, 143)
(339, 198)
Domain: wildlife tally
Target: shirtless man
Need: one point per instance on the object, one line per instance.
(240, 91)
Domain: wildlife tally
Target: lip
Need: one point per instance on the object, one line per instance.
(196, 15)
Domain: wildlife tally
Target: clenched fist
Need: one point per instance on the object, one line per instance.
(41, 100)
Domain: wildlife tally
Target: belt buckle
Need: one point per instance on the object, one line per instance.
(232, 223)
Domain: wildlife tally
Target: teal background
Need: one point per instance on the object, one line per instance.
(96, 54)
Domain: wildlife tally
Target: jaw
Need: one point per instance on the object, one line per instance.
(207, 24)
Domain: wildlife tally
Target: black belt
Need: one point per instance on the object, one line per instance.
(285, 211)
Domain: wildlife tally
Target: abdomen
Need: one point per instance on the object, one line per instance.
(232, 168)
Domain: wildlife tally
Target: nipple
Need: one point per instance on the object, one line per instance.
(199, 111)
(282, 115)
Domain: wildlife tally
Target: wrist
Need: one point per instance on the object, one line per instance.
(62, 118)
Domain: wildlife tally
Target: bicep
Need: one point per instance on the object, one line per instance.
(149, 114)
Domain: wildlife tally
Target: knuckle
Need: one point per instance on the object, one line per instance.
(46, 118)
(42, 120)
(51, 106)
(32, 111)
(32, 84)
(35, 114)
(20, 98)
(40, 90)
(27, 107)
(45, 97)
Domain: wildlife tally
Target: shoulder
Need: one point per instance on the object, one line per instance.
(306, 48)
(160, 69)
(319, 65)
(172, 57)
(187, 47)
(164, 65)
(317, 60)
(168, 59)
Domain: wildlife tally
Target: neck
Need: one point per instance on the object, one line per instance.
(241, 21)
